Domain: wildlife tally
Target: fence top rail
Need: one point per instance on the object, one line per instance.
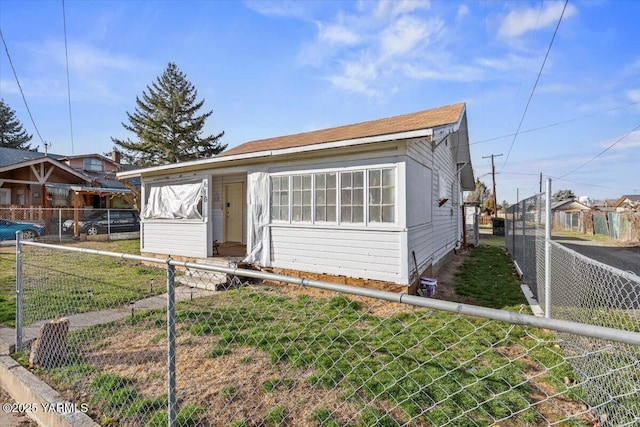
(586, 330)
(96, 252)
(626, 274)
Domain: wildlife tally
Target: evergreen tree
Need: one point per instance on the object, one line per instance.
(561, 195)
(12, 134)
(167, 125)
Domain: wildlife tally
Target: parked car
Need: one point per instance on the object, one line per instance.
(106, 221)
(29, 231)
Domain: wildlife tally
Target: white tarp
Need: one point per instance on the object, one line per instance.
(174, 201)
(259, 196)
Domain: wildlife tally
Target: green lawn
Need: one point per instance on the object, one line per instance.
(56, 284)
(488, 276)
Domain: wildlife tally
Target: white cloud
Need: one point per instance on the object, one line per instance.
(279, 8)
(353, 85)
(395, 8)
(520, 21)
(630, 141)
(337, 34)
(634, 95)
(463, 11)
(405, 34)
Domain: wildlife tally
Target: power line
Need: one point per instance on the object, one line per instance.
(602, 152)
(24, 99)
(557, 123)
(66, 56)
(524, 113)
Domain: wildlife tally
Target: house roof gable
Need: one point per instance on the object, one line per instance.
(427, 119)
(623, 199)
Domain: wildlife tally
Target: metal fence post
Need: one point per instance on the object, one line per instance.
(547, 252)
(18, 291)
(171, 344)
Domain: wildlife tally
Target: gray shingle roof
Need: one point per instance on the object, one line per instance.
(10, 156)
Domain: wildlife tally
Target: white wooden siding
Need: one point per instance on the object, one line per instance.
(431, 239)
(366, 254)
(175, 238)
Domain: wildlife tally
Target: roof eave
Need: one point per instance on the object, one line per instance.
(224, 160)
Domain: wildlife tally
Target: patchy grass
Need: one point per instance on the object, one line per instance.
(405, 366)
(590, 237)
(409, 361)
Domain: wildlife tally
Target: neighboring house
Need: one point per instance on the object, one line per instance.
(33, 183)
(628, 203)
(567, 214)
(362, 201)
(569, 205)
(33, 179)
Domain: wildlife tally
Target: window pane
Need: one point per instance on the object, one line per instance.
(331, 180)
(358, 214)
(306, 213)
(284, 183)
(388, 178)
(374, 213)
(374, 196)
(284, 198)
(358, 179)
(388, 196)
(297, 197)
(275, 184)
(321, 198)
(331, 214)
(346, 197)
(297, 213)
(306, 198)
(346, 180)
(297, 182)
(331, 197)
(320, 214)
(320, 180)
(306, 182)
(345, 214)
(358, 197)
(387, 214)
(374, 178)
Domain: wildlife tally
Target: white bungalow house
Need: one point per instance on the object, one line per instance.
(360, 201)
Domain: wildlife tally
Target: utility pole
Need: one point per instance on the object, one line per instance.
(493, 175)
(540, 183)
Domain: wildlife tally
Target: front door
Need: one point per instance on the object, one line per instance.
(233, 202)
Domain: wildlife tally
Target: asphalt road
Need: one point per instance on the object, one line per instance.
(623, 258)
(623, 295)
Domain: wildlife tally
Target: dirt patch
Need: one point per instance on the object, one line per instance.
(229, 387)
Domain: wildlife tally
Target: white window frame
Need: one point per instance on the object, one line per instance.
(281, 178)
(326, 206)
(300, 203)
(366, 221)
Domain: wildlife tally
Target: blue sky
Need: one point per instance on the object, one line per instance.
(276, 68)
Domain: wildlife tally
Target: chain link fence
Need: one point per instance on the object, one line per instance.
(524, 239)
(145, 342)
(59, 224)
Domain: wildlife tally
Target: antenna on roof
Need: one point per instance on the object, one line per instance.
(46, 147)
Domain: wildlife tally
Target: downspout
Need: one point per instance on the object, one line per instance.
(459, 241)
